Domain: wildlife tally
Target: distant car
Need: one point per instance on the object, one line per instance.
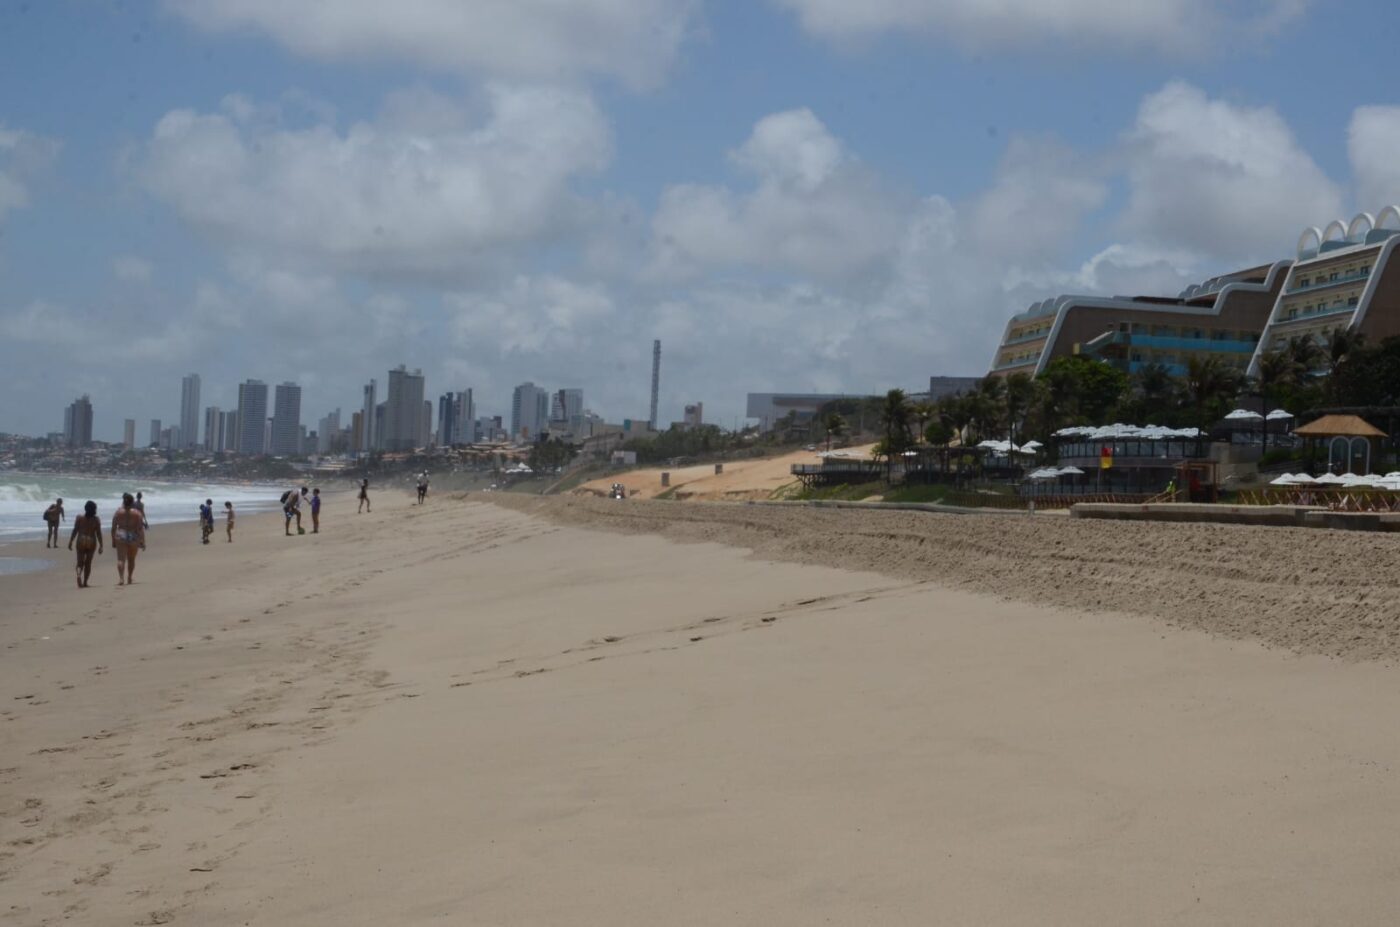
(811, 447)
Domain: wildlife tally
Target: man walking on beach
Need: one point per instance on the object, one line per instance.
(128, 536)
(87, 531)
(52, 516)
(145, 525)
(206, 519)
(422, 486)
(364, 496)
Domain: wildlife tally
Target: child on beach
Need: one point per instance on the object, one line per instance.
(228, 510)
(316, 510)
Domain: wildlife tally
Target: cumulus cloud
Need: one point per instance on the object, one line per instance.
(632, 40)
(1173, 26)
(1042, 191)
(1220, 179)
(425, 189)
(813, 208)
(23, 156)
(1373, 138)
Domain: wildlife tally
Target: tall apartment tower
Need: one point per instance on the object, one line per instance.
(464, 431)
(189, 411)
(447, 434)
(213, 429)
(655, 379)
(252, 416)
(155, 433)
(529, 411)
(77, 422)
(129, 433)
(286, 420)
(327, 433)
(403, 411)
(369, 436)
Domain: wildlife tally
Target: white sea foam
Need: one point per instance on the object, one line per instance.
(24, 497)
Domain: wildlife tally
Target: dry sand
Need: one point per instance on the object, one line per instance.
(472, 714)
(758, 478)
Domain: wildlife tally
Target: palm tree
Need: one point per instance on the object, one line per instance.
(835, 425)
(1342, 342)
(1276, 368)
(923, 412)
(1020, 390)
(1305, 353)
(1208, 381)
(1156, 389)
(894, 421)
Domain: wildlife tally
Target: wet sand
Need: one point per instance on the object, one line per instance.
(469, 713)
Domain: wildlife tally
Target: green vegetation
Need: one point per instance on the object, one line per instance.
(847, 492)
(917, 493)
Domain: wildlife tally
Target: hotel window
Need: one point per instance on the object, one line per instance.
(1352, 301)
(1332, 276)
(1365, 270)
(1303, 281)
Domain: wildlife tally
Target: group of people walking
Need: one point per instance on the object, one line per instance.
(129, 526)
(128, 536)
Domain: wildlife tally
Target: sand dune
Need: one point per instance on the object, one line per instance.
(465, 713)
(742, 479)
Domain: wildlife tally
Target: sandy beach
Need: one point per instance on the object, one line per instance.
(572, 711)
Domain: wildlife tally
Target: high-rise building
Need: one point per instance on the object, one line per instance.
(566, 411)
(368, 435)
(189, 411)
(77, 422)
(425, 424)
(529, 411)
(694, 415)
(357, 431)
(252, 416)
(403, 411)
(129, 433)
(155, 433)
(447, 419)
(327, 430)
(228, 431)
(213, 429)
(286, 420)
(465, 429)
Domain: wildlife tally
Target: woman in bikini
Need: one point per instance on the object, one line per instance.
(128, 536)
(364, 496)
(228, 510)
(87, 531)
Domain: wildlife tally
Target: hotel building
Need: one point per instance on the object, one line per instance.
(1224, 316)
(1345, 277)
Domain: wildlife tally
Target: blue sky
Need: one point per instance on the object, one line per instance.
(792, 194)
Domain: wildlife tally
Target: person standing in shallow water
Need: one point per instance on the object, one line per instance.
(128, 537)
(53, 515)
(364, 496)
(87, 531)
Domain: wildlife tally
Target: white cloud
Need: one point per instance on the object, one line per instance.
(1226, 181)
(132, 269)
(23, 156)
(1042, 191)
(633, 40)
(1174, 26)
(1373, 139)
(814, 209)
(424, 190)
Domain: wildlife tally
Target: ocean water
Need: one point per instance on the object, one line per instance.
(24, 496)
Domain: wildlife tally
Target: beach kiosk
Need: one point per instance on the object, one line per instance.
(1348, 437)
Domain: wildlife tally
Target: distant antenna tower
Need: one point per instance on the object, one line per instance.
(655, 378)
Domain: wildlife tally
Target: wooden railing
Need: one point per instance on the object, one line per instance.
(1340, 499)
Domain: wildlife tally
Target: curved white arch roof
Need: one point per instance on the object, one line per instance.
(1335, 231)
(1354, 230)
(1389, 214)
(1310, 241)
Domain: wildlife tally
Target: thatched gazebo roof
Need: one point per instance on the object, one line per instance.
(1346, 426)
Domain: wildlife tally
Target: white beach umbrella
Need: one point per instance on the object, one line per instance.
(1032, 446)
(1244, 415)
(1278, 414)
(1284, 479)
(1071, 471)
(1329, 479)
